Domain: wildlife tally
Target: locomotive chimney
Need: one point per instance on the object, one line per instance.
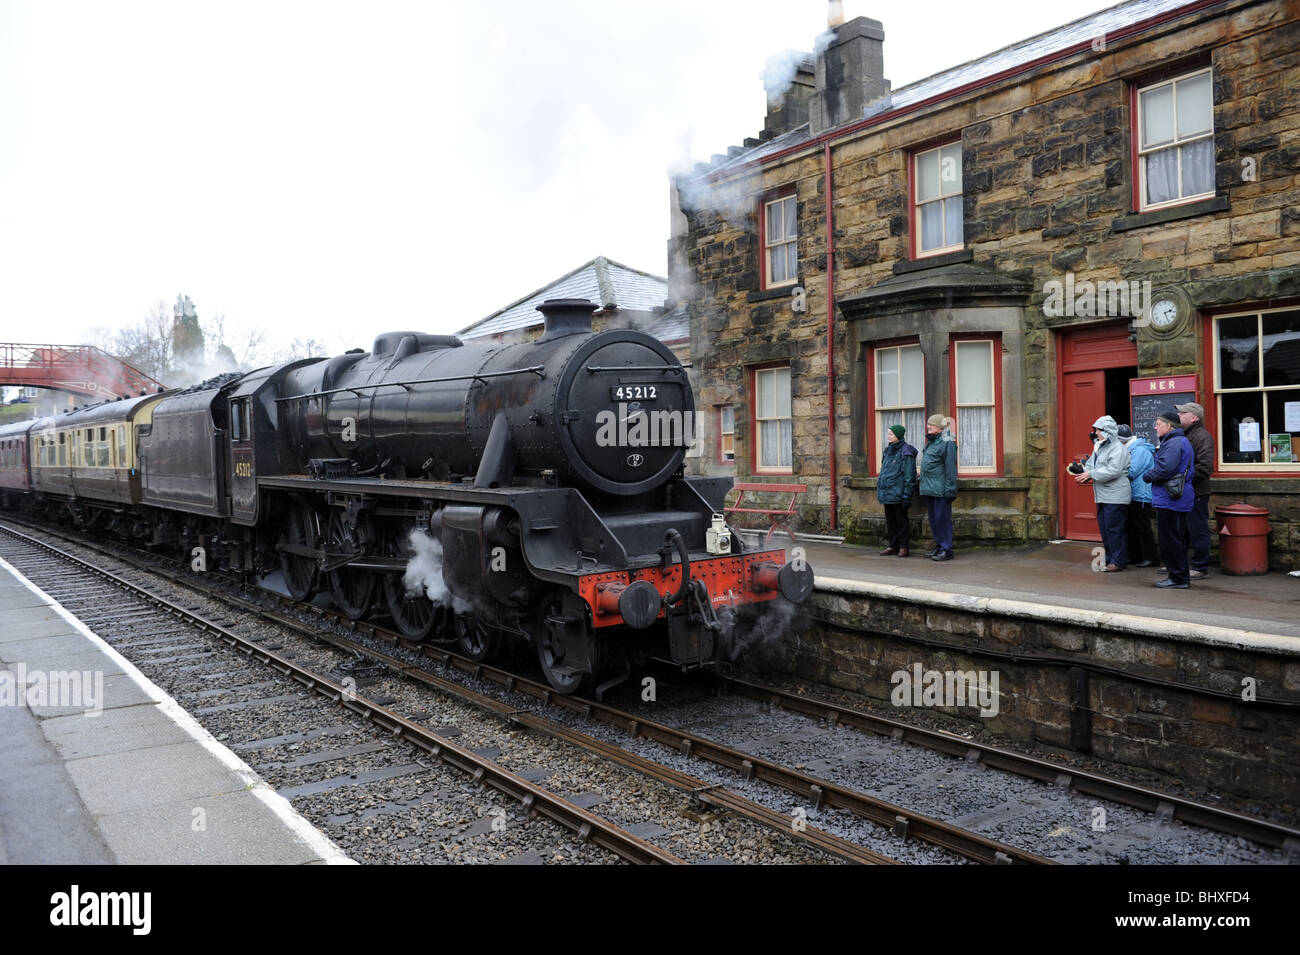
(566, 316)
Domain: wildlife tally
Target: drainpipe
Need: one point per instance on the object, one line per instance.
(830, 334)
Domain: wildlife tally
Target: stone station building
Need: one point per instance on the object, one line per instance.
(1103, 219)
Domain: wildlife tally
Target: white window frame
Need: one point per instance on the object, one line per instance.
(883, 409)
(724, 432)
(1265, 425)
(942, 197)
(774, 372)
(958, 404)
(788, 239)
(1143, 151)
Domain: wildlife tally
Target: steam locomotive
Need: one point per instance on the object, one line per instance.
(473, 492)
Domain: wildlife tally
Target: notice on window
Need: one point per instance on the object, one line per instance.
(1248, 436)
(1291, 410)
(1279, 448)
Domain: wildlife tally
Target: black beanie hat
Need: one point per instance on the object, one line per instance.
(1172, 418)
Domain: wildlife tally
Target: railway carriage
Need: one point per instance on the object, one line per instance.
(15, 462)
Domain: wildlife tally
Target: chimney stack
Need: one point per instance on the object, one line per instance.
(790, 82)
(850, 74)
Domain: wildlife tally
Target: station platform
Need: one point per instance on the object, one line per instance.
(1059, 576)
(115, 771)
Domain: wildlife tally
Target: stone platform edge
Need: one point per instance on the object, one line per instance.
(1201, 633)
(317, 841)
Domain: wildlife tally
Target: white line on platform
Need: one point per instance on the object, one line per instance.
(316, 840)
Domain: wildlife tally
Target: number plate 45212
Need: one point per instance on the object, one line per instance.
(634, 392)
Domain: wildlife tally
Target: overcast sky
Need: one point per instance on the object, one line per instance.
(336, 170)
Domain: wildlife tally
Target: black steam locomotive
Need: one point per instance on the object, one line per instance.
(473, 492)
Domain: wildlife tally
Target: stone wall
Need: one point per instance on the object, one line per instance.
(1199, 730)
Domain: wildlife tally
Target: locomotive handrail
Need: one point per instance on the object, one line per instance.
(671, 369)
(538, 370)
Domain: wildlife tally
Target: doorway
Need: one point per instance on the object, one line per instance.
(1094, 368)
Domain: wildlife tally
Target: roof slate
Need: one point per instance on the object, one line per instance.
(603, 281)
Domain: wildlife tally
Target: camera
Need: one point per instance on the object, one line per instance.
(1075, 468)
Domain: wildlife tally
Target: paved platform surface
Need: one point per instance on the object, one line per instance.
(110, 769)
(1060, 575)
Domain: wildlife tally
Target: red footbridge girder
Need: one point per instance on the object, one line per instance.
(80, 369)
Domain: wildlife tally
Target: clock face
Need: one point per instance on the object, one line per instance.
(1164, 313)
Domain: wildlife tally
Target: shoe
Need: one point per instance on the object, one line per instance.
(889, 552)
(1112, 569)
(1145, 563)
(1167, 582)
(1196, 574)
(903, 552)
(933, 551)
(1162, 569)
(943, 555)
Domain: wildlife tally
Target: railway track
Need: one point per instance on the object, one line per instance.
(816, 794)
(1165, 806)
(157, 632)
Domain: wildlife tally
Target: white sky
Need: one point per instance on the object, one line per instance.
(335, 170)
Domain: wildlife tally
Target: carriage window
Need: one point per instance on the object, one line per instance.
(121, 445)
(63, 449)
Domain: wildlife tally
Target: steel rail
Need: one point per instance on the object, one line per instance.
(532, 797)
(817, 791)
(702, 792)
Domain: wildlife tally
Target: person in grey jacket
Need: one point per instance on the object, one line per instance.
(1107, 469)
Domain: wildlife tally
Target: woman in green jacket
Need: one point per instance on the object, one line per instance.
(895, 488)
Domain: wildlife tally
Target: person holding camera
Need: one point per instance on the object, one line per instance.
(1107, 469)
(1171, 498)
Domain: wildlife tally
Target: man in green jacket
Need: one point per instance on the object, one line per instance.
(895, 488)
(938, 484)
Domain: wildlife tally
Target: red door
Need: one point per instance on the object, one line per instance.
(1082, 403)
(1085, 354)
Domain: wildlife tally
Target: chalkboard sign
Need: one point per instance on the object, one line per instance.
(1149, 398)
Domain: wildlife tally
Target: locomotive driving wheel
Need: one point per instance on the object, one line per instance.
(353, 590)
(566, 649)
(414, 614)
(477, 642)
(301, 528)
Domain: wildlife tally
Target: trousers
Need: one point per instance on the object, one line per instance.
(1171, 526)
(897, 530)
(940, 513)
(1141, 538)
(1113, 521)
(1198, 532)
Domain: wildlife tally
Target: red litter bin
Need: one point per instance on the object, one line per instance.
(1243, 539)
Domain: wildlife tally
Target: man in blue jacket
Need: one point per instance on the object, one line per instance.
(938, 482)
(1173, 458)
(1141, 539)
(895, 488)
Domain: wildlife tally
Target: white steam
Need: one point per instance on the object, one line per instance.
(423, 575)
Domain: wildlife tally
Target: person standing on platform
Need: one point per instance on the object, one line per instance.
(1174, 458)
(938, 482)
(1142, 550)
(895, 488)
(1107, 469)
(1191, 416)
